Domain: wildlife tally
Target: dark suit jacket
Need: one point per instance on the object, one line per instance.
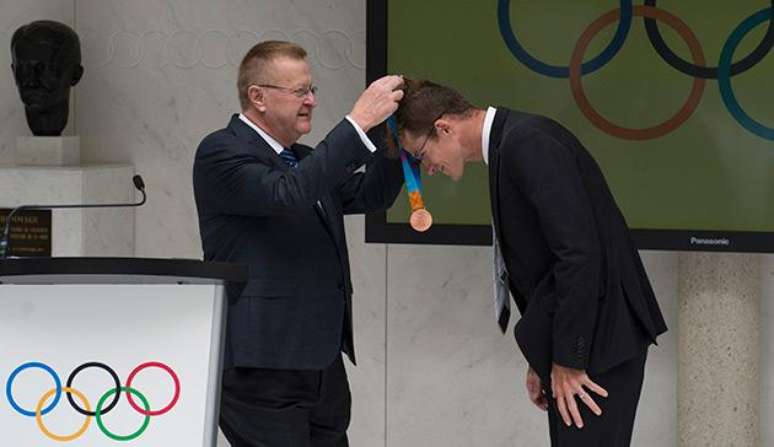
(574, 272)
(295, 311)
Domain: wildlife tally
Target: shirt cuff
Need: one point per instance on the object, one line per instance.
(363, 137)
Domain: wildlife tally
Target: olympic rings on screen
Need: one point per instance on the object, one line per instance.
(506, 30)
(85, 408)
(749, 61)
(726, 70)
(698, 69)
(636, 134)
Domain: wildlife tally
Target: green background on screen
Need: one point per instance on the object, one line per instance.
(709, 174)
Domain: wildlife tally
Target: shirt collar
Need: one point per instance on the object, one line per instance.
(266, 137)
(486, 131)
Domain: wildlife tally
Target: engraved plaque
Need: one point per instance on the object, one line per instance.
(30, 234)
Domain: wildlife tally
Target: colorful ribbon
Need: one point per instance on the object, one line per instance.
(420, 219)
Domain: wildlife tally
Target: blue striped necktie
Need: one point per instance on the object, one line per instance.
(289, 157)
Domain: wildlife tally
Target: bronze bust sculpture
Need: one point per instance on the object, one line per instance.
(46, 62)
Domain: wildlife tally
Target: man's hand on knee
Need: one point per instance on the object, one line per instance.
(566, 384)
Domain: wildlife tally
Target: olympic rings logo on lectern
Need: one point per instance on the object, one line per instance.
(697, 68)
(85, 408)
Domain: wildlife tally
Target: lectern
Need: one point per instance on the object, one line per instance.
(100, 351)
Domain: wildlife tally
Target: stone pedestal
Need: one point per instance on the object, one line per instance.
(719, 350)
(91, 232)
(48, 151)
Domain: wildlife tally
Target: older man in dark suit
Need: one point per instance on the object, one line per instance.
(266, 201)
(588, 310)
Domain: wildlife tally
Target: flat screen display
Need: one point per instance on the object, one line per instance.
(673, 99)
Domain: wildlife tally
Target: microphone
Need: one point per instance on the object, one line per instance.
(140, 185)
(5, 242)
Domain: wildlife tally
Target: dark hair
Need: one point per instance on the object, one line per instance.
(254, 63)
(424, 102)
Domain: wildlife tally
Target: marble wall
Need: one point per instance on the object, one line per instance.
(161, 74)
(454, 380)
(767, 349)
(433, 369)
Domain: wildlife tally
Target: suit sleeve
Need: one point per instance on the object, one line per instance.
(229, 179)
(377, 187)
(548, 174)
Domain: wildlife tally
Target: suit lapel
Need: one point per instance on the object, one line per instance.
(250, 136)
(495, 140)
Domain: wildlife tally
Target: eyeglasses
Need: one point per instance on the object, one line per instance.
(297, 92)
(420, 152)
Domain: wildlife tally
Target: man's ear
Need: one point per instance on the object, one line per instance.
(255, 95)
(442, 126)
(77, 74)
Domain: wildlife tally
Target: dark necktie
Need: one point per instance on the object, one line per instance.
(289, 157)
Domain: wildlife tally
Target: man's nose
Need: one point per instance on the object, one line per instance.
(310, 100)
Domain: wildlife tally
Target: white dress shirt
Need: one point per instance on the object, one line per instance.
(486, 131)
